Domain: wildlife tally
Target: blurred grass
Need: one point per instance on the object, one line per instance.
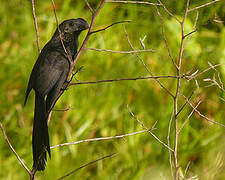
(100, 110)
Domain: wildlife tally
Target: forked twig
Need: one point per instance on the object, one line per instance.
(165, 39)
(146, 67)
(201, 115)
(193, 110)
(132, 114)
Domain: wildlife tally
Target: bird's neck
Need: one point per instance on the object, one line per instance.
(70, 43)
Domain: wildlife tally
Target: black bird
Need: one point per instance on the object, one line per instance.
(47, 77)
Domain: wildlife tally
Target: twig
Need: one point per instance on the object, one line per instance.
(120, 52)
(193, 110)
(201, 115)
(164, 7)
(146, 67)
(184, 104)
(204, 5)
(124, 79)
(60, 34)
(63, 110)
(36, 26)
(165, 39)
(89, 6)
(103, 29)
(186, 169)
(144, 127)
(168, 142)
(99, 139)
(194, 27)
(188, 34)
(133, 2)
(110, 155)
(196, 75)
(12, 149)
(176, 135)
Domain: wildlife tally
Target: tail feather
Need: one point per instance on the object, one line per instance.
(40, 139)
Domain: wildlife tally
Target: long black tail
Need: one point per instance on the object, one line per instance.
(40, 139)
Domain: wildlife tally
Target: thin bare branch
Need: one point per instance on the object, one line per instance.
(110, 155)
(120, 52)
(193, 110)
(103, 29)
(196, 75)
(194, 27)
(165, 39)
(168, 143)
(171, 14)
(89, 6)
(36, 26)
(201, 115)
(188, 34)
(99, 139)
(186, 169)
(124, 79)
(179, 64)
(12, 149)
(133, 2)
(64, 110)
(60, 34)
(184, 104)
(204, 5)
(144, 127)
(146, 67)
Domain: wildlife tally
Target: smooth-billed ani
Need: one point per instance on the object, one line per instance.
(47, 78)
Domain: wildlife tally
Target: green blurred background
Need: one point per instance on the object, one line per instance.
(101, 109)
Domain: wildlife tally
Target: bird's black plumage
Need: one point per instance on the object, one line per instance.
(47, 77)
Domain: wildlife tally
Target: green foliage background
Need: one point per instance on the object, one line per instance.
(101, 109)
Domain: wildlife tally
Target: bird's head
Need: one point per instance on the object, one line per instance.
(71, 26)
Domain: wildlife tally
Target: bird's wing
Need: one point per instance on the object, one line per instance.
(47, 71)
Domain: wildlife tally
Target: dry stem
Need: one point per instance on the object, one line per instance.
(36, 26)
